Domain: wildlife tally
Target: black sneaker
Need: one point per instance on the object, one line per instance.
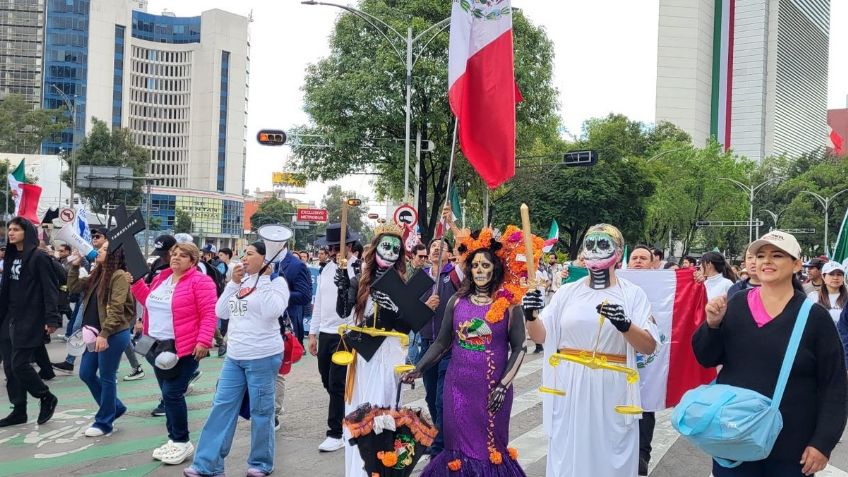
(159, 411)
(538, 349)
(276, 424)
(64, 367)
(46, 374)
(195, 376)
(14, 419)
(48, 407)
(136, 374)
(222, 350)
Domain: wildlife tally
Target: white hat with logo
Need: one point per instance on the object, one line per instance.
(832, 266)
(779, 239)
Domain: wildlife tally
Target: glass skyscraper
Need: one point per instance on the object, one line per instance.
(21, 47)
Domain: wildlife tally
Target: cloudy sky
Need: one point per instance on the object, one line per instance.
(613, 41)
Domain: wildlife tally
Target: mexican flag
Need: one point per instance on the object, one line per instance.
(26, 196)
(840, 251)
(481, 86)
(456, 212)
(553, 237)
(677, 303)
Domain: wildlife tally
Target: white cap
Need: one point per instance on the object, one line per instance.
(832, 266)
(779, 239)
(183, 238)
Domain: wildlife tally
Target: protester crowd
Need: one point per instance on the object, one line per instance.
(258, 312)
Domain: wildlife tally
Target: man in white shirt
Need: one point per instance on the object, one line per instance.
(323, 333)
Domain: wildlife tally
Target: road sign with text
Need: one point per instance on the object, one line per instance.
(311, 215)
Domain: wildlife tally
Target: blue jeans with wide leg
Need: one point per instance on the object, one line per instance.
(99, 372)
(257, 378)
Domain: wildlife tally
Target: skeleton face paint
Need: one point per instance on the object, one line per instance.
(388, 251)
(482, 270)
(600, 251)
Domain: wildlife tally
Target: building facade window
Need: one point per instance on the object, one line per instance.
(222, 121)
(164, 29)
(118, 82)
(21, 47)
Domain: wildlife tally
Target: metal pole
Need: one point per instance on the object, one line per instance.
(147, 221)
(486, 209)
(826, 217)
(408, 113)
(751, 217)
(417, 167)
(437, 286)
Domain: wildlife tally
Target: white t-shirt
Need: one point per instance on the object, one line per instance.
(833, 309)
(717, 285)
(160, 314)
(254, 329)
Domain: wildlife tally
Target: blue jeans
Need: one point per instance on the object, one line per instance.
(434, 385)
(74, 324)
(174, 384)
(257, 377)
(99, 372)
(761, 468)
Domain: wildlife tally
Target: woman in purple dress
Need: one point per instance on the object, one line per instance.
(487, 349)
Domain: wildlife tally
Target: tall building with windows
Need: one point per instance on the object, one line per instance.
(179, 84)
(21, 48)
(751, 73)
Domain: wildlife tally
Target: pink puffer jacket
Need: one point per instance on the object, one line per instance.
(193, 305)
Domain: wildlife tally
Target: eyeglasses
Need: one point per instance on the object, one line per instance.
(422, 256)
(96, 236)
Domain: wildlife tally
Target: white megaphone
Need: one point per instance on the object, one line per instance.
(69, 235)
(276, 238)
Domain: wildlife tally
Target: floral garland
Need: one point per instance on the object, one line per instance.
(515, 271)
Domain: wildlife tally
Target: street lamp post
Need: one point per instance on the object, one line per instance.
(825, 203)
(408, 58)
(752, 192)
(72, 107)
(775, 217)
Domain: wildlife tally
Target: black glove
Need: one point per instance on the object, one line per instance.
(615, 315)
(496, 398)
(532, 303)
(341, 279)
(383, 300)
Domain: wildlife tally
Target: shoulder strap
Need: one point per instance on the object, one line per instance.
(791, 351)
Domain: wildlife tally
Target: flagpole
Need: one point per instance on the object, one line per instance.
(447, 195)
(486, 208)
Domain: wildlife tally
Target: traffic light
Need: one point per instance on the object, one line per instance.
(271, 137)
(580, 158)
(354, 202)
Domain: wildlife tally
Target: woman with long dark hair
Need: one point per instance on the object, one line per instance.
(371, 377)
(108, 309)
(748, 334)
(718, 275)
(833, 296)
(487, 348)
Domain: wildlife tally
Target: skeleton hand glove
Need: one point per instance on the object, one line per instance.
(496, 398)
(341, 279)
(532, 303)
(383, 300)
(615, 315)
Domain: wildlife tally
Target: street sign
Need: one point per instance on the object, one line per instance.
(67, 215)
(311, 215)
(580, 158)
(406, 215)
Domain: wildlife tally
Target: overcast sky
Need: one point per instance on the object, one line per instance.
(614, 43)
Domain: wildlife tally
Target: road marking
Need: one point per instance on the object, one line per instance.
(532, 446)
(62, 454)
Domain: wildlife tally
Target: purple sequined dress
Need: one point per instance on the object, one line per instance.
(479, 354)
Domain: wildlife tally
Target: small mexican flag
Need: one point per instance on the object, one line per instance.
(26, 196)
(456, 212)
(553, 237)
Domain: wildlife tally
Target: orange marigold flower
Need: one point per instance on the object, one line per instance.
(495, 457)
(389, 459)
(455, 465)
(513, 453)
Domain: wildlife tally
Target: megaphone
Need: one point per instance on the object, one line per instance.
(276, 237)
(69, 235)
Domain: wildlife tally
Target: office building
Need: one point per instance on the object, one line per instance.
(751, 73)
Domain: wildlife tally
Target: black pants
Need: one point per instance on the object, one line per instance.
(761, 468)
(42, 359)
(333, 378)
(646, 435)
(21, 377)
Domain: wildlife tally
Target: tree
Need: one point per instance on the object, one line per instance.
(103, 147)
(23, 127)
(332, 201)
(183, 223)
(355, 99)
(272, 211)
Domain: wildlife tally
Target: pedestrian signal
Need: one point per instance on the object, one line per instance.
(271, 137)
(580, 158)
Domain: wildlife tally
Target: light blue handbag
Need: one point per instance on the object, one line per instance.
(734, 424)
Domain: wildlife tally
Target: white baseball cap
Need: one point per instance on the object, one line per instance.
(832, 266)
(779, 239)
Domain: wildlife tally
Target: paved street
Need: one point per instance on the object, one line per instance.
(59, 447)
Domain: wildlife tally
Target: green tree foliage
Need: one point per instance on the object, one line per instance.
(103, 147)
(183, 223)
(22, 127)
(355, 99)
(332, 201)
(272, 211)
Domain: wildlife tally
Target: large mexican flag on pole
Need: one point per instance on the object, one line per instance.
(26, 196)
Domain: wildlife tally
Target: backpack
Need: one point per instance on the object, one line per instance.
(61, 275)
(216, 276)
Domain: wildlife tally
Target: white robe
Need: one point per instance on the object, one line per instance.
(586, 436)
(375, 383)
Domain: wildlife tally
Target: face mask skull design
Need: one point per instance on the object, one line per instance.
(388, 251)
(599, 251)
(482, 270)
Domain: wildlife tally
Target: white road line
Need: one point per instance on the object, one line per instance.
(532, 446)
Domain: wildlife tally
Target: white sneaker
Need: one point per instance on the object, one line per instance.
(162, 450)
(178, 453)
(331, 444)
(96, 432)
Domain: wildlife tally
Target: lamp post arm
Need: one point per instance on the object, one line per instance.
(371, 19)
(742, 186)
(830, 199)
(445, 22)
(818, 197)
